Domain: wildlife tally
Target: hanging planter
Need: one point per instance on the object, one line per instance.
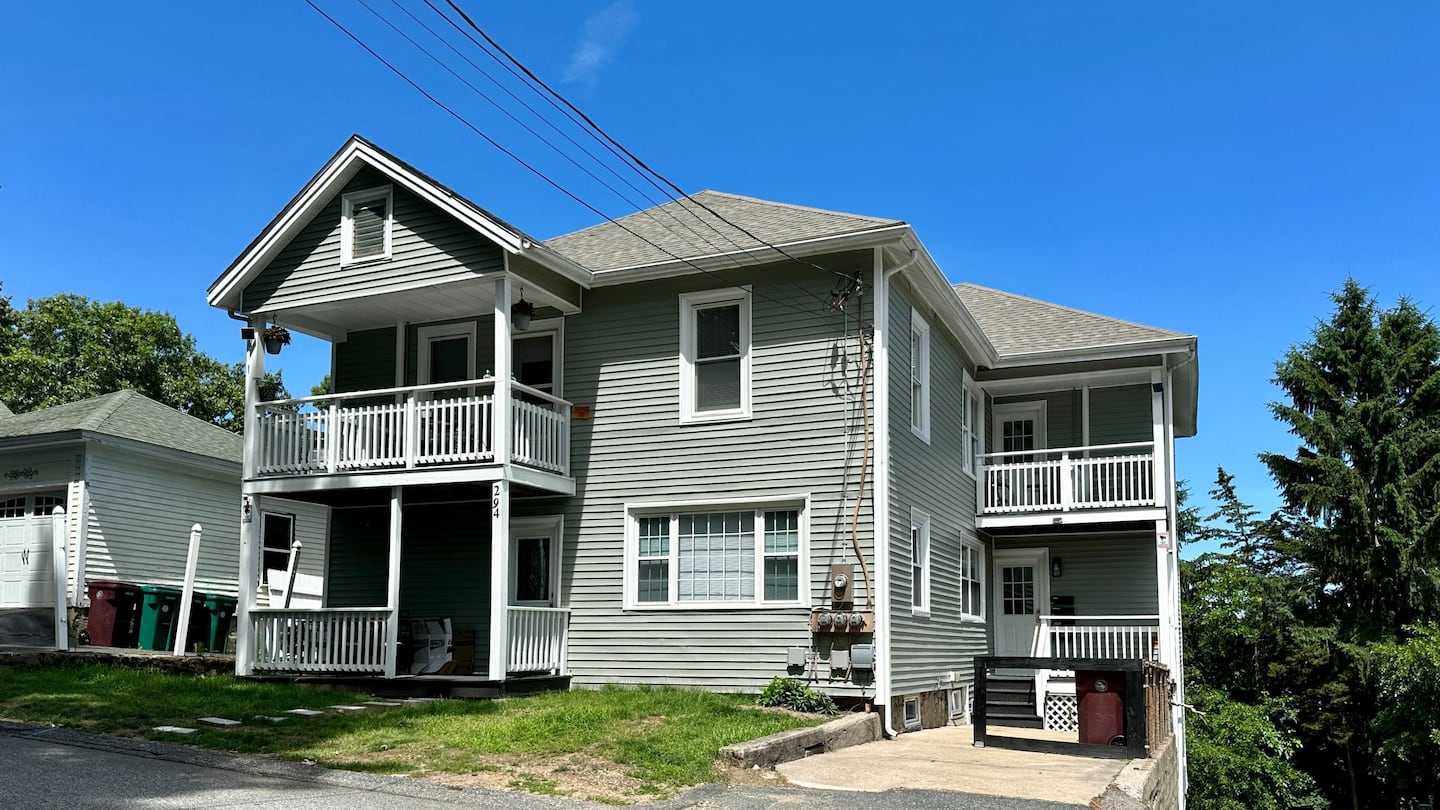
(521, 312)
(275, 338)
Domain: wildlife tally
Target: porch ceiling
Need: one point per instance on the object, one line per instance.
(332, 318)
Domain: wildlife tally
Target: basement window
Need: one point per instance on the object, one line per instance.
(366, 220)
(912, 712)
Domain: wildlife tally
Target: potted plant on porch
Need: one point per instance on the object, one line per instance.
(275, 337)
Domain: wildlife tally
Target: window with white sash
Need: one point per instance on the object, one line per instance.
(715, 355)
(919, 562)
(717, 556)
(972, 580)
(969, 423)
(919, 375)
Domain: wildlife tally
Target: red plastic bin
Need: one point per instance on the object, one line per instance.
(114, 619)
(1102, 706)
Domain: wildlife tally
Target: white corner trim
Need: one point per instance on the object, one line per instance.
(879, 597)
(690, 303)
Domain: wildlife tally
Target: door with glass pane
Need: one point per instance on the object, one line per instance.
(535, 562)
(1021, 593)
(1029, 480)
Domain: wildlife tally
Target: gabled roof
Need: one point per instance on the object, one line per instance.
(356, 154)
(684, 229)
(128, 415)
(1019, 326)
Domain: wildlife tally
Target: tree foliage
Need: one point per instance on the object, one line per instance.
(1407, 676)
(1240, 756)
(67, 347)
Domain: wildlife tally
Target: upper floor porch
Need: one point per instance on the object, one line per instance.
(1076, 448)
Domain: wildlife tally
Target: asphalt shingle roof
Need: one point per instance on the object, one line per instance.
(1019, 325)
(133, 416)
(684, 229)
(5, 410)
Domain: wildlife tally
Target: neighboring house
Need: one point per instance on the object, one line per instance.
(131, 476)
(662, 473)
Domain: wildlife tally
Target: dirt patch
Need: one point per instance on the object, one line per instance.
(579, 776)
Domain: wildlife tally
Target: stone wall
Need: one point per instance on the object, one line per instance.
(1146, 784)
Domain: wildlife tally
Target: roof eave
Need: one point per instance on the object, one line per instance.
(1109, 351)
(225, 291)
(960, 320)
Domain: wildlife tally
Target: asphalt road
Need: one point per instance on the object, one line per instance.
(54, 768)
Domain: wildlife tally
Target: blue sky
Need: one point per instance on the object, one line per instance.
(1217, 170)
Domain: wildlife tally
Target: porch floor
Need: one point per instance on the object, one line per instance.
(947, 759)
(459, 687)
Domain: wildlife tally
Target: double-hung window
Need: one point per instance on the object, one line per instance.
(972, 580)
(717, 556)
(919, 562)
(715, 355)
(277, 535)
(366, 220)
(969, 423)
(919, 375)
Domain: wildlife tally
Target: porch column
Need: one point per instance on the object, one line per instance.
(254, 372)
(499, 580)
(249, 581)
(1157, 434)
(392, 597)
(501, 440)
(1164, 591)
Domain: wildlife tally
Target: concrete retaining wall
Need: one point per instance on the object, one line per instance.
(1146, 784)
(799, 743)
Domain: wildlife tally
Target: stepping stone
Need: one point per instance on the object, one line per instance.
(219, 722)
(176, 730)
(344, 708)
(420, 700)
(271, 718)
(306, 712)
(383, 703)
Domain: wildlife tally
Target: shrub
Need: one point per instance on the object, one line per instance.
(788, 693)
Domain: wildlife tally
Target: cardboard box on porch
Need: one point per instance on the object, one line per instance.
(433, 646)
(464, 652)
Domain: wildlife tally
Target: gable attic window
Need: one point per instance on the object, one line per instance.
(366, 220)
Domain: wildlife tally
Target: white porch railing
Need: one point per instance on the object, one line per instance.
(419, 426)
(1069, 478)
(1098, 637)
(539, 639)
(336, 640)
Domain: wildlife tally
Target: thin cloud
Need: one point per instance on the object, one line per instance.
(605, 31)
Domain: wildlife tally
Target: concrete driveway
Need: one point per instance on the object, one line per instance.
(947, 759)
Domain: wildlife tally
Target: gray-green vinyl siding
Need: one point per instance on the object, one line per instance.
(359, 562)
(425, 242)
(925, 649)
(445, 568)
(621, 358)
(365, 361)
(1062, 416)
(1121, 414)
(1108, 574)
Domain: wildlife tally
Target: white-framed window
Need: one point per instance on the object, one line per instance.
(715, 355)
(919, 375)
(710, 555)
(969, 422)
(919, 562)
(277, 534)
(367, 218)
(959, 703)
(972, 580)
(912, 712)
(445, 353)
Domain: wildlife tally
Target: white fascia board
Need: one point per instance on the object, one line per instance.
(929, 280)
(553, 260)
(39, 441)
(1058, 382)
(1115, 351)
(1076, 518)
(225, 291)
(756, 256)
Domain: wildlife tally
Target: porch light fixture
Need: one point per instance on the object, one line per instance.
(521, 312)
(1055, 569)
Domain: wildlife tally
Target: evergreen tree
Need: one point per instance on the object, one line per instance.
(1364, 400)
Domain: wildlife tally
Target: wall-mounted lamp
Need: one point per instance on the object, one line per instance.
(521, 312)
(1055, 569)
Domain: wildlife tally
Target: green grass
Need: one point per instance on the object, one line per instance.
(664, 737)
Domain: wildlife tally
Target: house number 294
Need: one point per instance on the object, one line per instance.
(495, 501)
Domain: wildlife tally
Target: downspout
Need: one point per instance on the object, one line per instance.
(1181, 748)
(881, 511)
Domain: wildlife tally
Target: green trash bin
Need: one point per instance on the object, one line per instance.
(213, 627)
(159, 610)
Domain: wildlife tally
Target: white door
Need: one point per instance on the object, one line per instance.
(27, 572)
(1022, 590)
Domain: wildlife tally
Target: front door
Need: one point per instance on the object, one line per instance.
(1022, 590)
(535, 562)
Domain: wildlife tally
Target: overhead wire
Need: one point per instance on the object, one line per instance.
(533, 170)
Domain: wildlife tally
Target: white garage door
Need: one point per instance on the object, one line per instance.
(27, 574)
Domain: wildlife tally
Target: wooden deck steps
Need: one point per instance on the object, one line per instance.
(1010, 701)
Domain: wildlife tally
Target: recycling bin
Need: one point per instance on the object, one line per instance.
(210, 615)
(159, 609)
(114, 617)
(1102, 706)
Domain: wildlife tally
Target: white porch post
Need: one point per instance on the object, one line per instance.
(250, 520)
(503, 414)
(59, 562)
(392, 597)
(1161, 452)
(499, 580)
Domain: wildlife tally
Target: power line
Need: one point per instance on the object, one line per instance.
(557, 186)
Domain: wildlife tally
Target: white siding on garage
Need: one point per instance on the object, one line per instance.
(141, 509)
(925, 649)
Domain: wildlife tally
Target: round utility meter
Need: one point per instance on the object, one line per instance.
(841, 581)
(1102, 685)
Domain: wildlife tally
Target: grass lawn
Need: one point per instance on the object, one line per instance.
(616, 744)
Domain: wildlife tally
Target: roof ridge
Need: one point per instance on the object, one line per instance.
(112, 402)
(1075, 310)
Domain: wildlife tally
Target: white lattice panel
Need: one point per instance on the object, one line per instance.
(1062, 713)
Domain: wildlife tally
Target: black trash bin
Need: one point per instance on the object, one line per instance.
(114, 616)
